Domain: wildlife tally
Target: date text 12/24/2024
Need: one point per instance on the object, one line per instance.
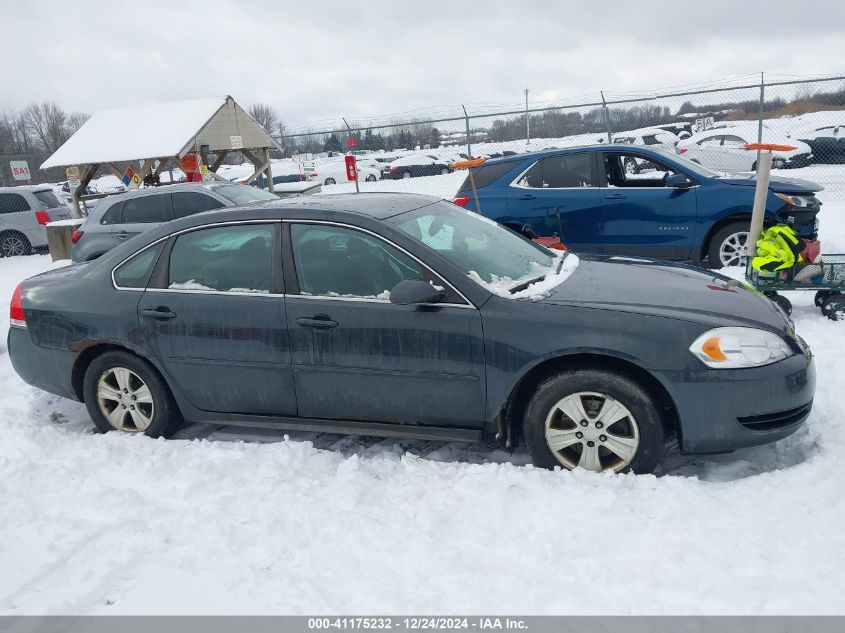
(416, 623)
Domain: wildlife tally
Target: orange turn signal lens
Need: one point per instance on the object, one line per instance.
(713, 350)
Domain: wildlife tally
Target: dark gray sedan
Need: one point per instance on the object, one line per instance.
(406, 316)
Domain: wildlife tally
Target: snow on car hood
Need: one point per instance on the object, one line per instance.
(552, 277)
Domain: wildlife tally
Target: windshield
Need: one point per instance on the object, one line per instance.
(481, 248)
(687, 164)
(243, 194)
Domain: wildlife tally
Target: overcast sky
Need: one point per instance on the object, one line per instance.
(315, 61)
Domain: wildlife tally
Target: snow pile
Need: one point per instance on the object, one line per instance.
(266, 522)
(551, 278)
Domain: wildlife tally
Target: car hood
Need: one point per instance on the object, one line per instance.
(659, 288)
(778, 184)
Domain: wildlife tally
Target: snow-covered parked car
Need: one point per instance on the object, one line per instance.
(652, 137)
(415, 165)
(723, 149)
(826, 141)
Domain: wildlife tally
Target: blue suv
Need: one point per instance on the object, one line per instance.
(624, 200)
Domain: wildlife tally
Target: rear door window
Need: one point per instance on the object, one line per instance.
(236, 258)
(112, 214)
(47, 198)
(146, 209)
(187, 203)
(13, 203)
(566, 171)
(135, 272)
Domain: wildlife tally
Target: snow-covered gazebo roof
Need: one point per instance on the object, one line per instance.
(163, 132)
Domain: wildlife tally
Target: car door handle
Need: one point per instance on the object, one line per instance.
(614, 196)
(121, 235)
(158, 313)
(318, 322)
(527, 196)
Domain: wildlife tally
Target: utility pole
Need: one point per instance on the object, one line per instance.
(527, 120)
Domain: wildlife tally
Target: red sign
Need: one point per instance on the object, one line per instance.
(351, 167)
(351, 142)
(189, 162)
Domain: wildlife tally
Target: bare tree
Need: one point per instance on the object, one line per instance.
(75, 121)
(266, 116)
(47, 123)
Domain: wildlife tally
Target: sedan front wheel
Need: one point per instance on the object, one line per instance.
(596, 420)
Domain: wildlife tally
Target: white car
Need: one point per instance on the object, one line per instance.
(652, 137)
(723, 149)
(331, 171)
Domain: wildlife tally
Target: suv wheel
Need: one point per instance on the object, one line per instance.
(123, 393)
(729, 246)
(14, 244)
(594, 419)
(631, 166)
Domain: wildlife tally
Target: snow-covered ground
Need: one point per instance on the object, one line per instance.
(234, 521)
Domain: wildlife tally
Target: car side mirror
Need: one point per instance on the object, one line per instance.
(413, 291)
(679, 181)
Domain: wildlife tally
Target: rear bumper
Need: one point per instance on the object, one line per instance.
(47, 369)
(723, 410)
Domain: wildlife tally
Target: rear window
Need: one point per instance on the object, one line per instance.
(242, 194)
(486, 174)
(47, 198)
(13, 203)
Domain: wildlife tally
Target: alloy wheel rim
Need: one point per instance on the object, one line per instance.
(12, 246)
(734, 249)
(593, 431)
(630, 167)
(125, 400)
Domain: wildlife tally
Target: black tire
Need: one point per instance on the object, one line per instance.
(14, 244)
(834, 307)
(714, 246)
(406, 174)
(371, 178)
(784, 303)
(164, 413)
(330, 181)
(444, 171)
(641, 405)
(821, 295)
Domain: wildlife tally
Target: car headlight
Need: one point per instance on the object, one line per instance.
(738, 347)
(797, 201)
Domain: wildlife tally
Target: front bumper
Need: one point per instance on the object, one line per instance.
(800, 160)
(721, 410)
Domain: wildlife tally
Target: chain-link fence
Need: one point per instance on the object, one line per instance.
(709, 125)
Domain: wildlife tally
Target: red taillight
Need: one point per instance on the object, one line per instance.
(75, 237)
(461, 201)
(392, 169)
(42, 217)
(16, 316)
(682, 150)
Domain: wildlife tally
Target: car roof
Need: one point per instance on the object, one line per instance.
(614, 147)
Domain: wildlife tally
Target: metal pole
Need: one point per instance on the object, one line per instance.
(606, 118)
(469, 144)
(760, 120)
(761, 192)
(349, 129)
(527, 120)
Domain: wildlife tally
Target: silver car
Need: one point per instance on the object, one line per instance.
(23, 213)
(123, 216)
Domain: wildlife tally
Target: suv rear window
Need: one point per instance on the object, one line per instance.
(13, 203)
(485, 174)
(47, 198)
(187, 203)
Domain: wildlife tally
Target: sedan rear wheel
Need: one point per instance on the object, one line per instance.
(596, 420)
(371, 178)
(330, 181)
(406, 174)
(123, 393)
